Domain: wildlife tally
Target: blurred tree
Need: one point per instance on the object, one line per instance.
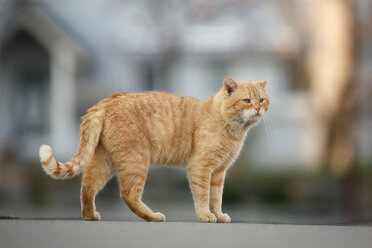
(331, 70)
(328, 56)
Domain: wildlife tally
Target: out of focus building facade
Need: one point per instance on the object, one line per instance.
(58, 58)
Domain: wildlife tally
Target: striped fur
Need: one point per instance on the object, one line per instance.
(90, 131)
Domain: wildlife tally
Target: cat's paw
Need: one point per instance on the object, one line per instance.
(94, 217)
(208, 217)
(159, 217)
(224, 218)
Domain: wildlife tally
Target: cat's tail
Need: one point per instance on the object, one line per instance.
(90, 132)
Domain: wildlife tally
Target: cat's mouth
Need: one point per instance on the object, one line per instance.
(257, 115)
(248, 117)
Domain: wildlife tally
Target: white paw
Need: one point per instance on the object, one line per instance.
(224, 218)
(208, 217)
(159, 217)
(95, 217)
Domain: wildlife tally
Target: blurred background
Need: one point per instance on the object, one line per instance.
(309, 162)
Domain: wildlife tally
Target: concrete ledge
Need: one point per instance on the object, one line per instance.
(76, 233)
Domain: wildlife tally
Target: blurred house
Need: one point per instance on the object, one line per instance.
(42, 65)
(39, 63)
(60, 58)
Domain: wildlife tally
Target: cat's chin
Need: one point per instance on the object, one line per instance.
(246, 120)
(253, 120)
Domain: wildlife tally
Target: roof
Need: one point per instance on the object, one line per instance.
(39, 23)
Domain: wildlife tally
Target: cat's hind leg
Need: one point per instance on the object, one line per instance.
(132, 177)
(96, 174)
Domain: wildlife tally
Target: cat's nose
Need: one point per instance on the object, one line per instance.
(257, 109)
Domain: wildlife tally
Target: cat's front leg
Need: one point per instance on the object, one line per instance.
(200, 177)
(216, 190)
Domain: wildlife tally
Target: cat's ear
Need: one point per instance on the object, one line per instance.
(261, 84)
(229, 85)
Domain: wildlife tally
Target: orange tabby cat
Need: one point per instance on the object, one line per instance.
(127, 132)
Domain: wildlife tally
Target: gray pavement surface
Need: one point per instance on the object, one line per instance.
(78, 233)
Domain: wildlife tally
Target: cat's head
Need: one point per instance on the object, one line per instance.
(244, 102)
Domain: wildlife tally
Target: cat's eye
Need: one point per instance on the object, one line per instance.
(261, 100)
(247, 100)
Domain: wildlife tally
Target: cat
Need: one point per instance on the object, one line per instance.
(127, 132)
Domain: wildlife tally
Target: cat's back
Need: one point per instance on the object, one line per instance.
(152, 102)
(164, 121)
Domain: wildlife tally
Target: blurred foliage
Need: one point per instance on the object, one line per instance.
(284, 187)
(36, 185)
(319, 190)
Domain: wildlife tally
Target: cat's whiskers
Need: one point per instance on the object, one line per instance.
(266, 129)
(270, 123)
